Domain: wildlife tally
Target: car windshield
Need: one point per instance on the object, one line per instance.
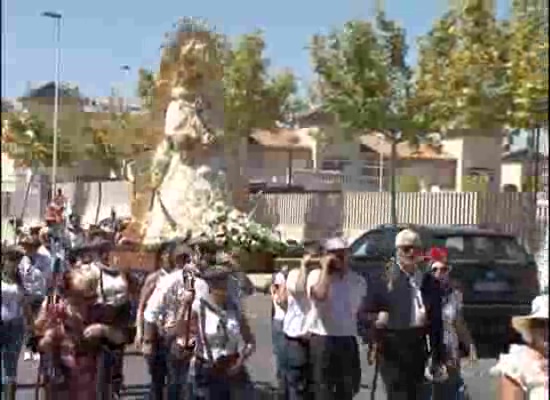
(480, 247)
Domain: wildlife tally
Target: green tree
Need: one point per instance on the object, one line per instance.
(364, 81)
(528, 67)
(253, 99)
(462, 72)
(29, 142)
(146, 88)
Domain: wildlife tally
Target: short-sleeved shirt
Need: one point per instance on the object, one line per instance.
(220, 329)
(36, 272)
(337, 315)
(278, 312)
(165, 301)
(298, 306)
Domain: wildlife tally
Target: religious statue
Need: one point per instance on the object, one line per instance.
(184, 182)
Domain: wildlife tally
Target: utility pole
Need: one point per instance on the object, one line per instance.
(57, 81)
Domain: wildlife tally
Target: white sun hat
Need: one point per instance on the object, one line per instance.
(539, 310)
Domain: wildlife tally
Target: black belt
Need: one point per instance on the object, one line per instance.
(300, 339)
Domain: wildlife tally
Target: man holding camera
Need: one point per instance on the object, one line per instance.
(295, 329)
(336, 294)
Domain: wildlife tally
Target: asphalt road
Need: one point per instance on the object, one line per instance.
(261, 366)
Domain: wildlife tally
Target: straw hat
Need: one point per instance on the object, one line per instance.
(539, 311)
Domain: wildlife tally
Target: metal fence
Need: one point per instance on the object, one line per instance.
(317, 214)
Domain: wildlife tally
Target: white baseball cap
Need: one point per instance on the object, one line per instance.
(335, 244)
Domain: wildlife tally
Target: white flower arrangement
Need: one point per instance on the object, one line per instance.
(235, 230)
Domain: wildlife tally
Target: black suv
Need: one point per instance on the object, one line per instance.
(496, 274)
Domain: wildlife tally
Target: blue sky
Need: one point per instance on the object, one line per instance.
(99, 36)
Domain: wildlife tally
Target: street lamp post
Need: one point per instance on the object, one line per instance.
(126, 70)
(57, 19)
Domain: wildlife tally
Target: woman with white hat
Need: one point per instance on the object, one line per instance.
(524, 370)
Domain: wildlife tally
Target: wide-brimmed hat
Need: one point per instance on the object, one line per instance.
(539, 311)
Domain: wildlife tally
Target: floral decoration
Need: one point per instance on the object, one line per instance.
(234, 230)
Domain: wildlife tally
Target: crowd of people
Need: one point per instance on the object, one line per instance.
(74, 310)
(64, 301)
(413, 324)
(69, 304)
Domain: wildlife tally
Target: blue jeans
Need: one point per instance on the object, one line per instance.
(29, 337)
(178, 382)
(12, 333)
(157, 364)
(110, 377)
(297, 372)
(278, 343)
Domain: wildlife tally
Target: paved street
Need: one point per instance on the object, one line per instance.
(480, 385)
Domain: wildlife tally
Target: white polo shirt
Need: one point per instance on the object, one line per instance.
(337, 315)
(298, 306)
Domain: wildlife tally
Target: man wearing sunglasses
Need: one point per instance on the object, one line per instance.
(336, 294)
(409, 313)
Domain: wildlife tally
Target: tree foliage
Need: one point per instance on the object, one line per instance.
(253, 99)
(363, 78)
(29, 142)
(462, 72)
(146, 88)
(528, 63)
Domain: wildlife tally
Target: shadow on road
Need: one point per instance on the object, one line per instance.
(262, 391)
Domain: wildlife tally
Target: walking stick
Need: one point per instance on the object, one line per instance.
(373, 357)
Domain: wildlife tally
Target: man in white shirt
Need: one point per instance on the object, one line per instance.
(158, 360)
(164, 309)
(296, 330)
(336, 294)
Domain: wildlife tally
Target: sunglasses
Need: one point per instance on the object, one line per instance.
(443, 269)
(408, 249)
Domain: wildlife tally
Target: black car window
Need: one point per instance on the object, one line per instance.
(481, 247)
(374, 244)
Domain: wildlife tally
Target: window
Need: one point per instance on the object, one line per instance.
(476, 247)
(335, 165)
(374, 244)
(372, 169)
